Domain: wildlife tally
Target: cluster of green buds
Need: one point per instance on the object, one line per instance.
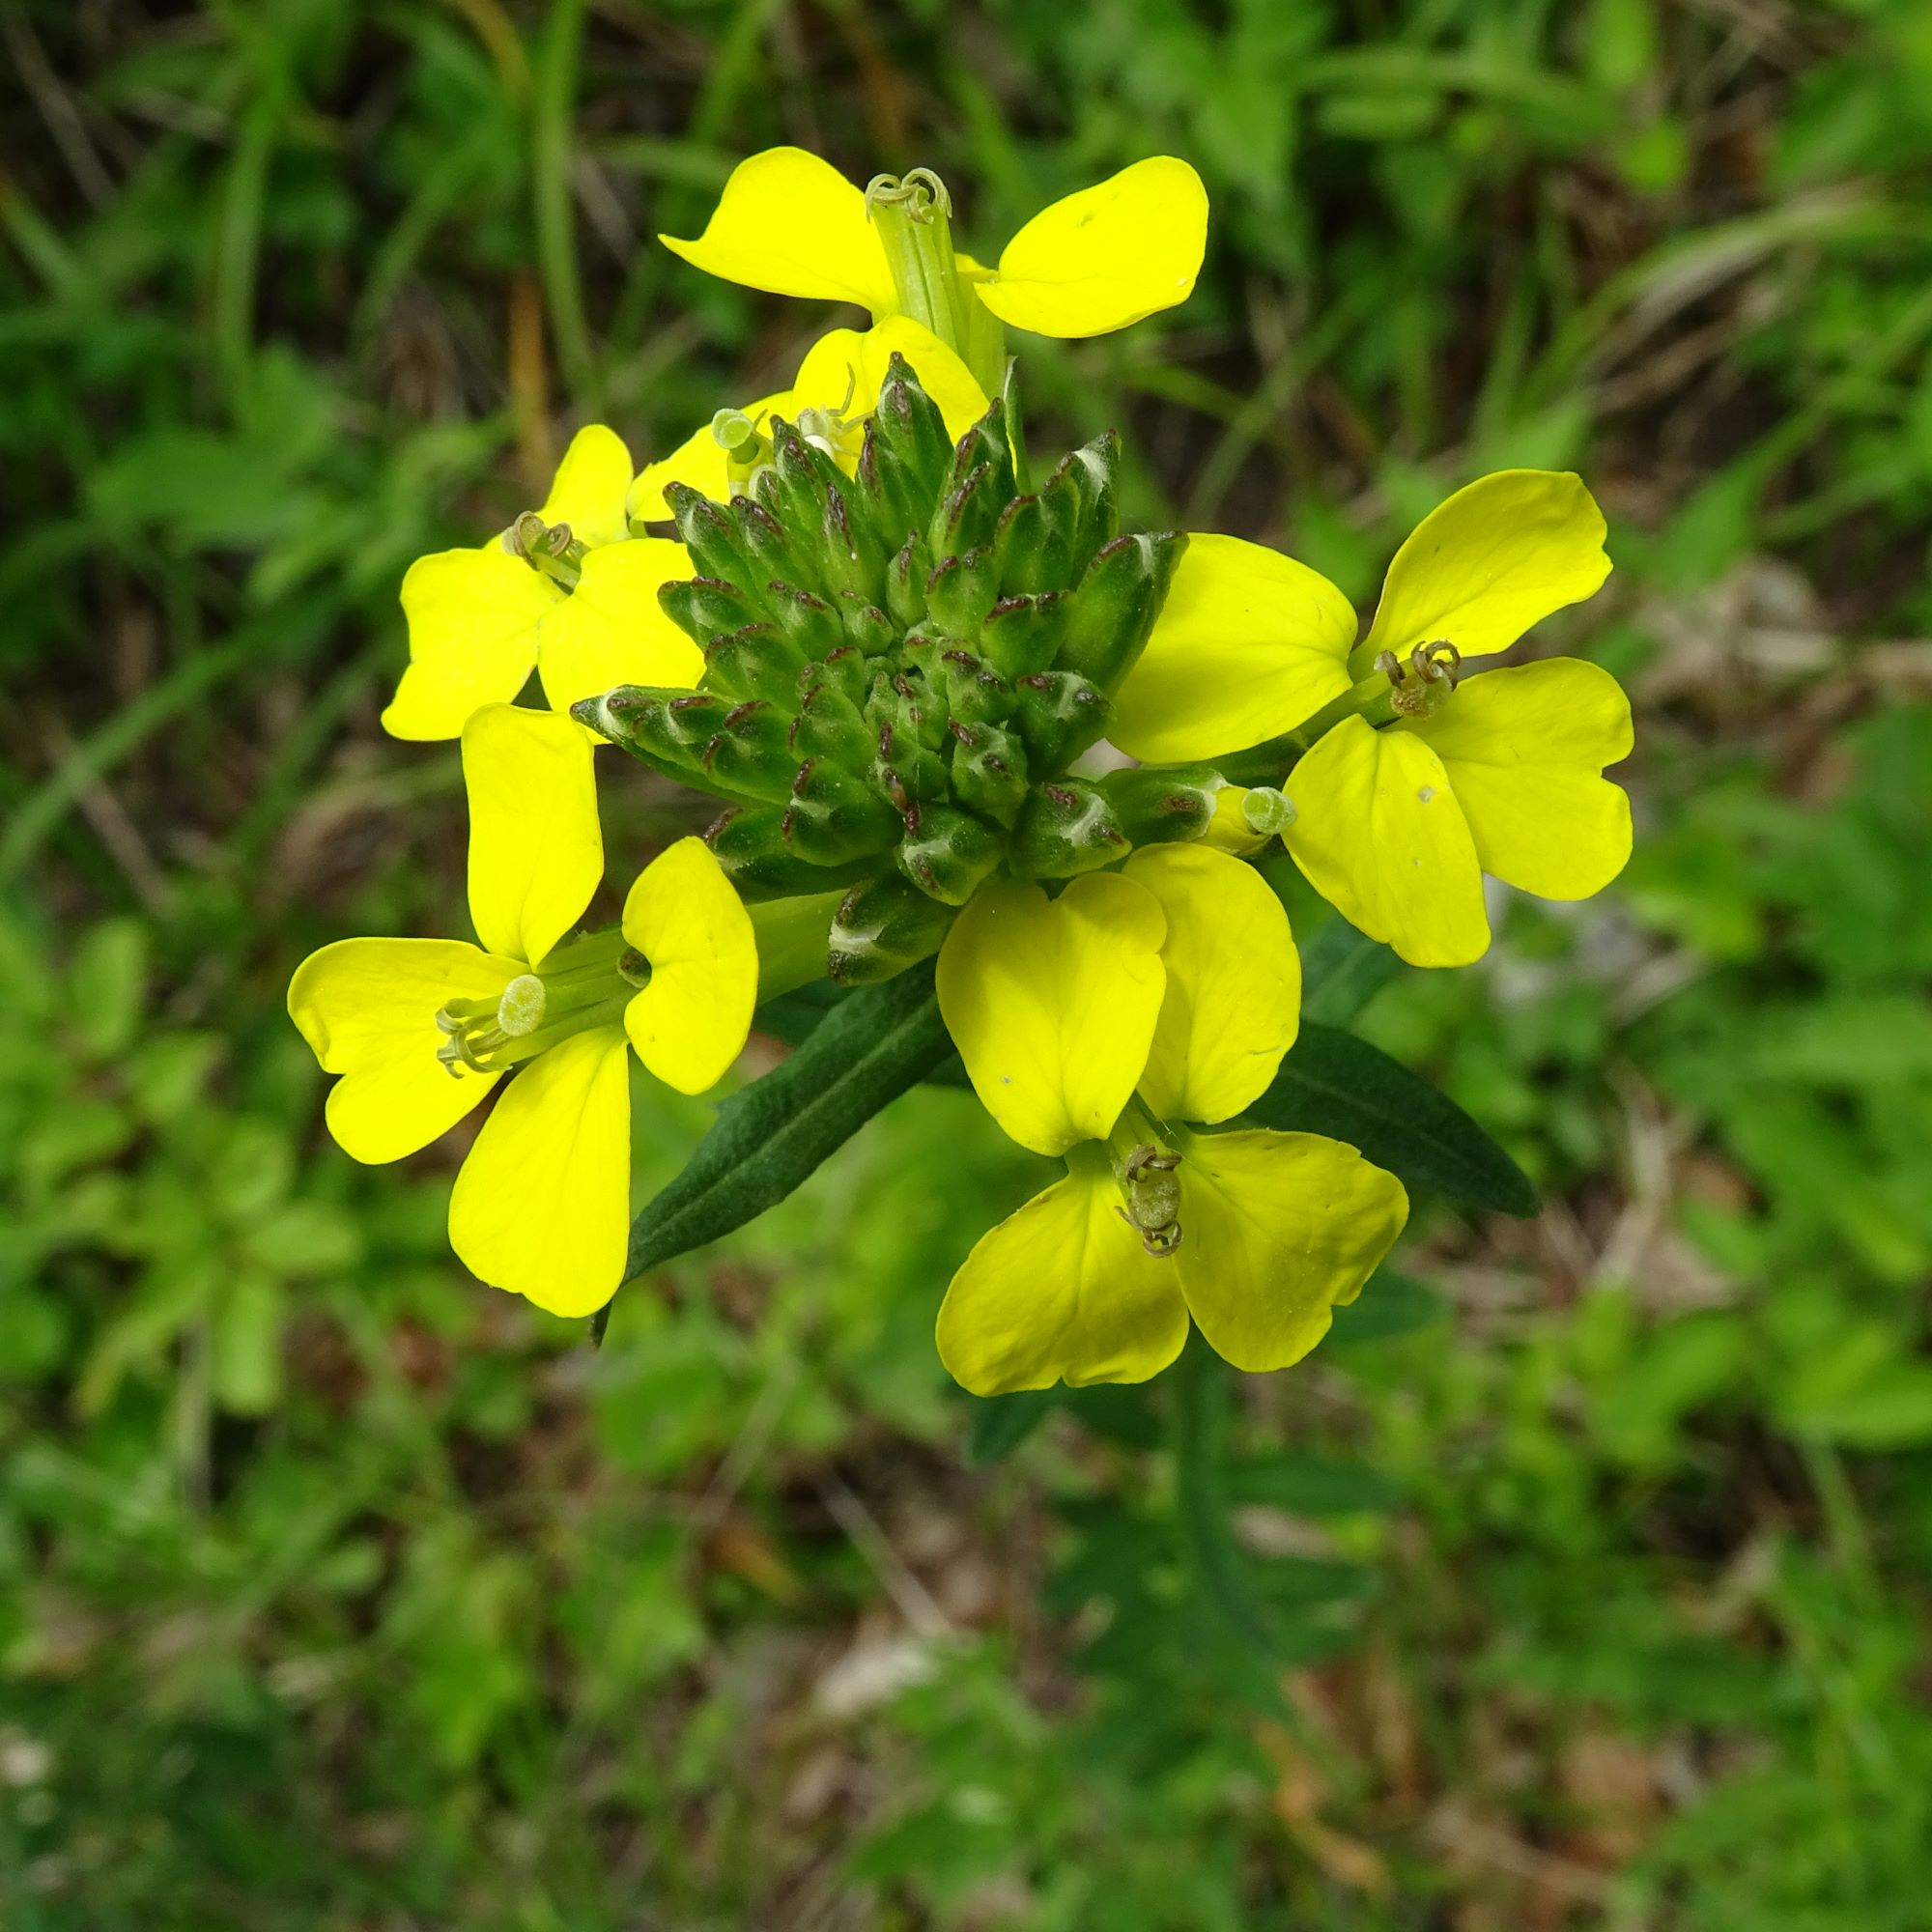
(901, 668)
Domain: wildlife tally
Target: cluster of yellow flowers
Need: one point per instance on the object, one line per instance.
(1117, 981)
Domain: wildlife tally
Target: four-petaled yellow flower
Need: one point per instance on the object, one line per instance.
(793, 225)
(420, 1030)
(1501, 773)
(828, 399)
(566, 591)
(1093, 1027)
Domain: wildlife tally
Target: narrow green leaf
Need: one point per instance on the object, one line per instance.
(1332, 1083)
(865, 1052)
(794, 1017)
(1342, 970)
(999, 1424)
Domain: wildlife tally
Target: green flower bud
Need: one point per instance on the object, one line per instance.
(810, 624)
(1022, 634)
(833, 816)
(912, 433)
(1115, 608)
(1066, 827)
(906, 770)
(767, 545)
(968, 514)
(989, 771)
(750, 845)
(948, 853)
(974, 692)
(757, 661)
(846, 671)
(712, 535)
(905, 581)
(1161, 805)
(1082, 495)
(830, 725)
(883, 926)
(986, 446)
(704, 608)
(1029, 560)
(1058, 714)
(854, 557)
(961, 589)
(750, 752)
(867, 628)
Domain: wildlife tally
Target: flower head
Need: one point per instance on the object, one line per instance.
(1095, 1027)
(420, 1030)
(1411, 779)
(564, 590)
(1096, 261)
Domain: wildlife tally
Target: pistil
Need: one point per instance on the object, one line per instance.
(583, 984)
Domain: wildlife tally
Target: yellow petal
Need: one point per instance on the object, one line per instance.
(1107, 256)
(1052, 1003)
(472, 617)
(1276, 1231)
(844, 371)
(588, 492)
(611, 630)
(367, 1008)
(683, 915)
(543, 1204)
(1234, 984)
(1525, 748)
(793, 225)
(1061, 1291)
(1381, 837)
(1498, 557)
(535, 849)
(1248, 645)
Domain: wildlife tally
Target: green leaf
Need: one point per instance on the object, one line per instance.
(1000, 1423)
(862, 1054)
(795, 1016)
(1332, 1083)
(1342, 970)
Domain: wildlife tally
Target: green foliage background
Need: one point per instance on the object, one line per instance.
(1587, 1569)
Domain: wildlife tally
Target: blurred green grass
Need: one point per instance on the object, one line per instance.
(340, 1593)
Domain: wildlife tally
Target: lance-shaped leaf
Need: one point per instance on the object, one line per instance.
(770, 1136)
(1332, 1083)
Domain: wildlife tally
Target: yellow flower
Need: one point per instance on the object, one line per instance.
(420, 1030)
(479, 620)
(1396, 826)
(793, 225)
(1093, 1026)
(835, 391)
